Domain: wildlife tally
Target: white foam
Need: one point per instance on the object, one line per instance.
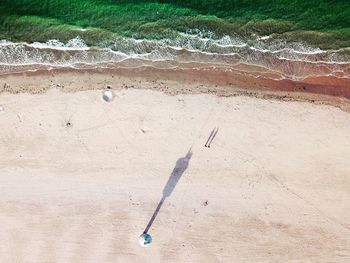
(264, 38)
(193, 46)
(73, 44)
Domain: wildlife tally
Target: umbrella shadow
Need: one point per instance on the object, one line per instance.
(179, 169)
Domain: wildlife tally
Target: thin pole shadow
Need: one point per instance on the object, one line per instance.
(179, 169)
(212, 135)
(212, 138)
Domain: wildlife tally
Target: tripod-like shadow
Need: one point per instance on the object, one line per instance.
(180, 167)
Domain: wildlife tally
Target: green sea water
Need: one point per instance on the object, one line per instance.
(318, 23)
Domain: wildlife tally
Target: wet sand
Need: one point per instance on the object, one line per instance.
(192, 79)
(80, 177)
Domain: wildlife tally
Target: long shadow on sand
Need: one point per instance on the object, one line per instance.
(180, 167)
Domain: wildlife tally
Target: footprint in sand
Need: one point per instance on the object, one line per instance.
(144, 129)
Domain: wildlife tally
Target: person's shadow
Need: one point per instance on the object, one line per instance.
(180, 167)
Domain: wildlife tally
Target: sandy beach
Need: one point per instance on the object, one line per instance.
(81, 177)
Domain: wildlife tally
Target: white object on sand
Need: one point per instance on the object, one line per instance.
(108, 95)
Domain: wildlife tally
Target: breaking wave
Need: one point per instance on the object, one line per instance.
(293, 61)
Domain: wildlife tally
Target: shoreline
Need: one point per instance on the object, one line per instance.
(216, 81)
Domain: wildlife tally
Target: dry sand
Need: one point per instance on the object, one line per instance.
(80, 178)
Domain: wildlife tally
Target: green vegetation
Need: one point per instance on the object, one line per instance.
(324, 23)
